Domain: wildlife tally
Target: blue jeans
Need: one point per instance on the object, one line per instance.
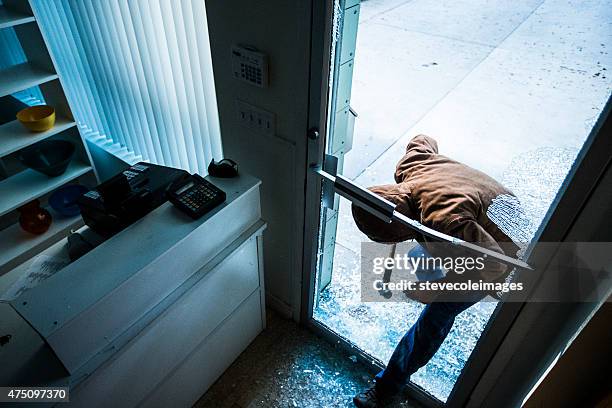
(425, 337)
(419, 344)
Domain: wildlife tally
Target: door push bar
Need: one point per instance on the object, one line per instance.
(386, 211)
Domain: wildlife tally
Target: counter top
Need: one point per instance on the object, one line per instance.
(83, 307)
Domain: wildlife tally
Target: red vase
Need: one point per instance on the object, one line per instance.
(34, 219)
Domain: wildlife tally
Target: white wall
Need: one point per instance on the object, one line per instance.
(281, 29)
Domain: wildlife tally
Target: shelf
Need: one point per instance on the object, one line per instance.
(22, 76)
(14, 136)
(10, 18)
(17, 246)
(27, 185)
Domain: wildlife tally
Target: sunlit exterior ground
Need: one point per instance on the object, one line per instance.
(511, 88)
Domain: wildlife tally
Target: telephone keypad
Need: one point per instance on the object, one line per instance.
(198, 199)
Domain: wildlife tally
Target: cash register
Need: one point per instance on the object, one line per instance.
(136, 191)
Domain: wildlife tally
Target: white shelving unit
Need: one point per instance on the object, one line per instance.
(23, 76)
(28, 185)
(14, 136)
(11, 18)
(17, 246)
(20, 185)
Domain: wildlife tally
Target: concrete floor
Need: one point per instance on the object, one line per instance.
(509, 87)
(489, 79)
(288, 366)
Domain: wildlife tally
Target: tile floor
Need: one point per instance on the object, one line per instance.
(287, 366)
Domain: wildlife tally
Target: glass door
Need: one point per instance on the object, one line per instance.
(361, 126)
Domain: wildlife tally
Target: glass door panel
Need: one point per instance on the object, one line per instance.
(490, 99)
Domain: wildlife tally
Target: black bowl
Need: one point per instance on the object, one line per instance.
(50, 157)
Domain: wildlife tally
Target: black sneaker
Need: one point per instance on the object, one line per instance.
(370, 398)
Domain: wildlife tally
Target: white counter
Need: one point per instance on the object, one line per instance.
(137, 311)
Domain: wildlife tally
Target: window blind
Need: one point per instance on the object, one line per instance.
(138, 75)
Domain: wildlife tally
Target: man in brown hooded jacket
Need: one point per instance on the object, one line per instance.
(459, 201)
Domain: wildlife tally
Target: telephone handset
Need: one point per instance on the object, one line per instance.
(194, 195)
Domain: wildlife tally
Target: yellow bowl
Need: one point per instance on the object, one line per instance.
(37, 118)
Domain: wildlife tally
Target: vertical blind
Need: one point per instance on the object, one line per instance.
(138, 74)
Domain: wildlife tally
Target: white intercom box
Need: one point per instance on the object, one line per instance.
(250, 65)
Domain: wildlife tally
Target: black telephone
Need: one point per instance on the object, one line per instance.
(194, 195)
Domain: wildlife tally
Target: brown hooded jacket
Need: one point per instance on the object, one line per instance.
(445, 195)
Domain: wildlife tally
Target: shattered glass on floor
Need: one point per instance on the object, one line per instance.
(288, 366)
(377, 327)
(515, 99)
(535, 178)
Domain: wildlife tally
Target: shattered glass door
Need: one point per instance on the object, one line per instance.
(515, 102)
(374, 328)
